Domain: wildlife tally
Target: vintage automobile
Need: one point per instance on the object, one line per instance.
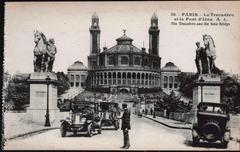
(212, 124)
(109, 113)
(83, 117)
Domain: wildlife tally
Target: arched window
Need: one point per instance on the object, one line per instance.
(170, 82)
(175, 82)
(111, 60)
(114, 77)
(77, 78)
(138, 75)
(165, 83)
(72, 77)
(137, 61)
(124, 60)
(109, 78)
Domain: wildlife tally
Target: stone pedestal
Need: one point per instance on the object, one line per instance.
(38, 97)
(211, 89)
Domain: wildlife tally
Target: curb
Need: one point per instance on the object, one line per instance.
(30, 133)
(174, 127)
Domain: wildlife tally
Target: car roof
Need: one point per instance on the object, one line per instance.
(212, 104)
(108, 103)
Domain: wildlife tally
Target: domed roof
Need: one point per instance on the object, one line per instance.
(170, 67)
(154, 16)
(124, 38)
(124, 44)
(94, 15)
(78, 65)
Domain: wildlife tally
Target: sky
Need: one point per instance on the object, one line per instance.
(68, 23)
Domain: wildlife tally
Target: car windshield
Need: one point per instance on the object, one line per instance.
(211, 108)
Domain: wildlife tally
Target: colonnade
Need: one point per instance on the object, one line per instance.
(149, 79)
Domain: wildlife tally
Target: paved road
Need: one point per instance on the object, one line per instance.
(144, 135)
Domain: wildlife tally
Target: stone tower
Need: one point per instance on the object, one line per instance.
(94, 42)
(154, 36)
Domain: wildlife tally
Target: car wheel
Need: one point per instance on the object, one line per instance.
(225, 144)
(195, 142)
(90, 131)
(211, 130)
(99, 131)
(116, 124)
(63, 130)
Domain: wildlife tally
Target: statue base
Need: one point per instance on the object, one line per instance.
(207, 90)
(40, 89)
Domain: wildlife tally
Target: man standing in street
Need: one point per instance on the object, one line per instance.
(126, 126)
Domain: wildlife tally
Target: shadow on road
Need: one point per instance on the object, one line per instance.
(203, 144)
(109, 129)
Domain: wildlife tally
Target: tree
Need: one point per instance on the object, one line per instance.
(17, 96)
(63, 82)
(231, 88)
(231, 92)
(186, 83)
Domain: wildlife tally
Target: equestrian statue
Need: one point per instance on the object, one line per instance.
(44, 53)
(205, 56)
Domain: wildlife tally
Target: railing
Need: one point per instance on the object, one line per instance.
(184, 117)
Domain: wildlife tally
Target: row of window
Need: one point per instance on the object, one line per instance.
(124, 60)
(170, 85)
(76, 84)
(125, 75)
(170, 79)
(153, 82)
(77, 77)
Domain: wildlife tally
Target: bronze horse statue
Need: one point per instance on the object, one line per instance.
(205, 56)
(44, 53)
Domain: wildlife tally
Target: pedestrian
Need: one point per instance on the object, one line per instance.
(126, 126)
(151, 111)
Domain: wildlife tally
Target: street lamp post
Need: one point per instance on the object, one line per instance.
(154, 115)
(47, 122)
(145, 105)
(201, 81)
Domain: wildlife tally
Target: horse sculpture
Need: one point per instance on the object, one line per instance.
(44, 53)
(210, 52)
(205, 56)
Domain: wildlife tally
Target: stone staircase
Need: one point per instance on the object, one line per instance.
(71, 93)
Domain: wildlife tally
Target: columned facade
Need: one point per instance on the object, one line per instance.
(124, 67)
(77, 74)
(169, 77)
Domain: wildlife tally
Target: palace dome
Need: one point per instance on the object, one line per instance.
(78, 65)
(124, 44)
(170, 67)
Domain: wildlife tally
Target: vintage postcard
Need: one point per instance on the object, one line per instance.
(150, 75)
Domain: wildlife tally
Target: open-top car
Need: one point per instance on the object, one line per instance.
(109, 113)
(212, 124)
(83, 117)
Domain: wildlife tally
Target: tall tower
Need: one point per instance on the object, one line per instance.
(94, 41)
(154, 36)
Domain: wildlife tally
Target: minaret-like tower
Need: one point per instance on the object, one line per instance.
(154, 36)
(94, 42)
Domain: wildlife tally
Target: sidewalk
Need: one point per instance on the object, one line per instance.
(15, 126)
(169, 122)
(234, 125)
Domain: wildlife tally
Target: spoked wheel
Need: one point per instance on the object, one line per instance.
(195, 142)
(90, 131)
(116, 125)
(75, 132)
(63, 130)
(100, 130)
